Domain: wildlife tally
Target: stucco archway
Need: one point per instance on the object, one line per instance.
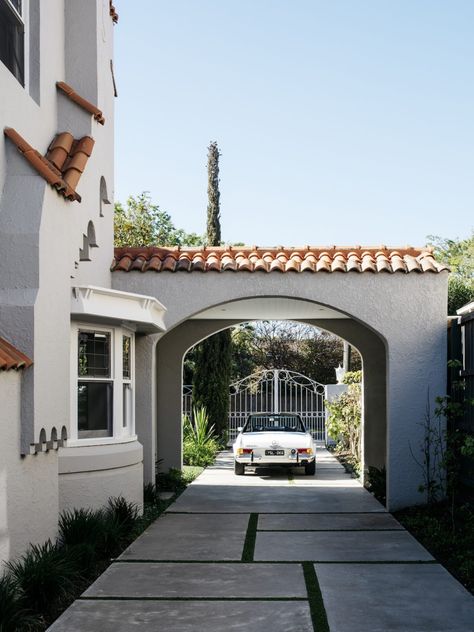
(395, 300)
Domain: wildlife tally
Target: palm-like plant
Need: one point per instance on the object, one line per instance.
(198, 430)
(199, 441)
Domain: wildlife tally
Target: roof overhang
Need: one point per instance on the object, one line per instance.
(466, 312)
(103, 305)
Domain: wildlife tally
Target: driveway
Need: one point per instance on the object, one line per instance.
(272, 550)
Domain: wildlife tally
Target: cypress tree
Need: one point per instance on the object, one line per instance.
(213, 355)
(213, 196)
(212, 377)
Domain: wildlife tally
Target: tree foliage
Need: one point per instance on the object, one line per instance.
(280, 344)
(213, 196)
(142, 223)
(212, 377)
(293, 346)
(213, 356)
(343, 423)
(458, 254)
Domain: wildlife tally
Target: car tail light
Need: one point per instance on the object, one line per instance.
(244, 451)
(305, 451)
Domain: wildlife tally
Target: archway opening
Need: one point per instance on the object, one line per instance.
(175, 344)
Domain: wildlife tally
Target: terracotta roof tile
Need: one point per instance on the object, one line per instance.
(113, 13)
(64, 162)
(254, 259)
(11, 358)
(81, 102)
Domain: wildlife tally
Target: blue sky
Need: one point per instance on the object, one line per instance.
(339, 121)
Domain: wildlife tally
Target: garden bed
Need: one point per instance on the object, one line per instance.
(36, 588)
(450, 541)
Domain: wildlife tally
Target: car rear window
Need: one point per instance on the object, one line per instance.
(274, 423)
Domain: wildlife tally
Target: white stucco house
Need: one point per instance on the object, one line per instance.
(92, 342)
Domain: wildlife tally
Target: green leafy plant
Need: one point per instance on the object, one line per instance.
(344, 419)
(199, 442)
(123, 511)
(377, 482)
(45, 577)
(14, 613)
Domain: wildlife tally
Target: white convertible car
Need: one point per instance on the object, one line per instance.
(274, 439)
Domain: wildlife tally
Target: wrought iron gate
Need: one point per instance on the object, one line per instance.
(278, 390)
(274, 390)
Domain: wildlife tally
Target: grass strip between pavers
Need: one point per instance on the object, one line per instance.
(115, 598)
(315, 598)
(328, 530)
(157, 561)
(250, 538)
(278, 513)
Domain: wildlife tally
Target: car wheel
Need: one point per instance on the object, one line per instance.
(310, 468)
(239, 468)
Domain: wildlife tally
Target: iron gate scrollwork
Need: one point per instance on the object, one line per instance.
(278, 390)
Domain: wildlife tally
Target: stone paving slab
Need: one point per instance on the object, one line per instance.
(324, 522)
(395, 597)
(290, 498)
(191, 537)
(339, 546)
(184, 616)
(200, 580)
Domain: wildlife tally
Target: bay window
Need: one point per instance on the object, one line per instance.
(103, 394)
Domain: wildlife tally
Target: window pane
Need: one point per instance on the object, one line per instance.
(127, 373)
(12, 41)
(17, 5)
(127, 405)
(94, 354)
(95, 409)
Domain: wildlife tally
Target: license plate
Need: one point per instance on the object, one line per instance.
(274, 452)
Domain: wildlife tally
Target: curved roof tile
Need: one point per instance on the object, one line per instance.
(280, 259)
(11, 358)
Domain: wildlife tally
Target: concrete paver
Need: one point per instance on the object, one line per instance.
(395, 597)
(258, 499)
(185, 616)
(191, 537)
(328, 517)
(324, 522)
(340, 546)
(200, 580)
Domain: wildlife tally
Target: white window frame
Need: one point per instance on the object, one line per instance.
(23, 19)
(120, 434)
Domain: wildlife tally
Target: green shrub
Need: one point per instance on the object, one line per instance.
(150, 494)
(14, 615)
(343, 423)
(80, 526)
(45, 577)
(123, 516)
(200, 444)
(201, 455)
(377, 483)
(97, 535)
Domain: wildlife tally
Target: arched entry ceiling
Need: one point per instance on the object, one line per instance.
(269, 308)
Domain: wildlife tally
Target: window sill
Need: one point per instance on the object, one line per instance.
(77, 443)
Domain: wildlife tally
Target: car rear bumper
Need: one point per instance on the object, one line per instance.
(251, 459)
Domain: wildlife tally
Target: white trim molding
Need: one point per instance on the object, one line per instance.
(103, 305)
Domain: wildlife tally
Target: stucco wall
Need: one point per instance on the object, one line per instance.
(41, 235)
(40, 232)
(406, 311)
(90, 475)
(28, 485)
